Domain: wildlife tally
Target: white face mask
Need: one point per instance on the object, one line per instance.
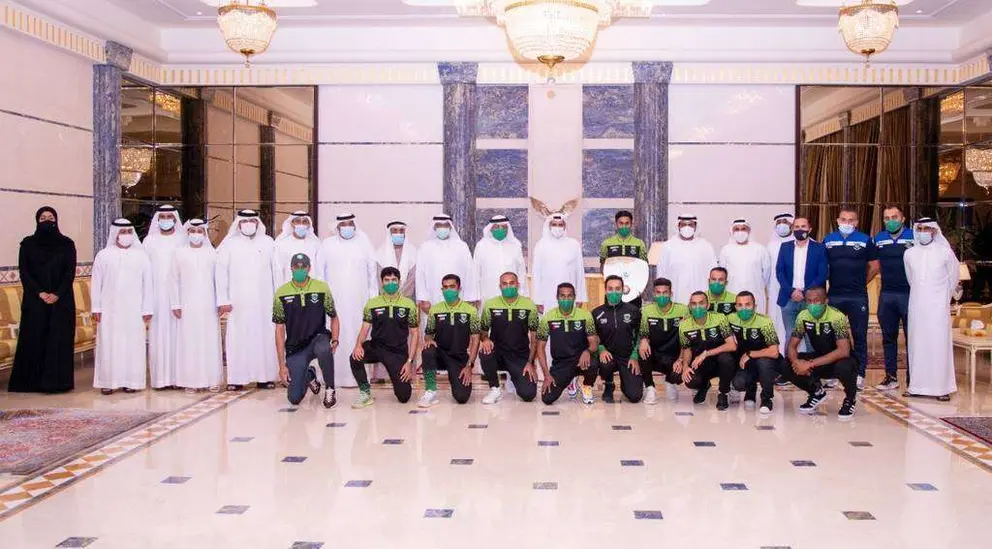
(741, 236)
(166, 224)
(783, 230)
(125, 239)
(557, 232)
(196, 238)
(301, 231)
(925, 238)
(687, 231)
(248, 229)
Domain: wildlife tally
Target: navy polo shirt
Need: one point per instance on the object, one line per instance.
(848, 260)
(890, 250)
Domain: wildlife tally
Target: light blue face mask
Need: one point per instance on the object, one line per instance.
(846, 229)
(347, 232)
(443, 233)
(398, 239)
(301, 231)
(166, 224)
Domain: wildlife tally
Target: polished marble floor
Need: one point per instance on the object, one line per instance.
(248, 471)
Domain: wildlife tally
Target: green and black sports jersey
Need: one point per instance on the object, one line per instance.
(304, 311)
(452, 327)
(509, 324)
(710, 335)
(753, 335)
(391, 318)
(615, 246)
(725, 304)
(823, 332)
(567, 334)
(662, 327)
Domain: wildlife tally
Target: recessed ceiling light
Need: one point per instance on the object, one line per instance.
(199, 13)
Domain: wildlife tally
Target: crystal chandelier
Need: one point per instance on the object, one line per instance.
(134, 163)
(167, 103)
(868, 27)
(952, 104)
(947, 174)
(247, 26)
(979, 163)
(553, 31)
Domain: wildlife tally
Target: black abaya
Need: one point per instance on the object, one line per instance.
(43, 362)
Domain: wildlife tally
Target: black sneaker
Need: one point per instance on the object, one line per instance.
(233, 387)
(766, 406)
(330, 397)
(890, 383)
(847, 410)
(814, 402)
(266, 385)
(722, 402)
(314, 384)
(608, 393)
(701, 394)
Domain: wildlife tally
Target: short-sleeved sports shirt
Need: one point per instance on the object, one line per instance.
(391, 318)
(710, 335)
(567, 334)
(823, 332)
(452, 327)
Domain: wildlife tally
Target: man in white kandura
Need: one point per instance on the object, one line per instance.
(165, 235)
(781, 234)
(245, 290)
(498, 252)
(346, 262)
(932, 272)
(193, 298)
(557, 258)
(686, 259)
(297, 237)
(443, 253)
(397, 252)
(123, 301)
(748, 264)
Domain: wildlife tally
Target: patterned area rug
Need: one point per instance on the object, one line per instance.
(980, 427)
(35, 439)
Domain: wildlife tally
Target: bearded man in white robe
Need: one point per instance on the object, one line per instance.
(123, 302)
(748, 264)
(686, 259)
(932, 272)
(194, 297)
(245, 290)
(781, 234)
(346, 261)
(498, 252)
(397, 251)
(165, 235)
(557, 259)
(443, 253)
(297, 237)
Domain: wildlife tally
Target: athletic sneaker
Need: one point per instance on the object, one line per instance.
(650, 396)
(847, 410)
(766, 406)
(722, 402)
(671, 391)
(510, 387)
(314, 384)
(608, 393)
(735, 396)
(814, 402)
(364, 400)
(587, 396)
(493, 396)
(701, 394)
(428, 399)
(890, 383)
(861, 383)
(573, 389)
(829, 383)
(750, 397)
(330, 397)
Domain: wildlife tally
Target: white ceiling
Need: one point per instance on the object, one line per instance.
(181, 13)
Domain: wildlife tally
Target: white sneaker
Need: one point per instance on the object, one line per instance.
(510, 387)
(861, 383)
(587, 396)
(650, 396)
(671, 391)
(493, 396)
(573, 389)
(749, 404)
(735, 396)
(429, 399)
(829, 383)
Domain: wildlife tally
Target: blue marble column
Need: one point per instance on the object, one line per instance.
(460, 104)
(107, 140)
(651, 149)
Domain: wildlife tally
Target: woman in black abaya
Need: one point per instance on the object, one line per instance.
(47, 263)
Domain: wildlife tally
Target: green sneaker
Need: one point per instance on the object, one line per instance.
(364, 400)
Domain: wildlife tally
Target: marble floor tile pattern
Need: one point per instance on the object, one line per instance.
(895, 476)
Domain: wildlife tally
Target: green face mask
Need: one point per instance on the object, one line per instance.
(299, 275)
(716, 288)
(614, 298)
(697, 311)
(624, 232)
(391, 287)
(663, 300)
(566, 304)
(510, 292)
(893, 226)
(817, 309)
(450, 295)
(499, 233)
(745, 314)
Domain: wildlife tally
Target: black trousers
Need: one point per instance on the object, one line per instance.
(764, 370)
(300, 373)
(564, 371)
(514, 366)
(631, 385)
(392, 361)
(721, 366)
(663, 364)
(845, 370)
(433, 358)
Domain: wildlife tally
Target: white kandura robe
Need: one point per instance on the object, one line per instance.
(122, 292)
(283, 252)
(774, 311)
(349, 268)
(244, 281)
(932, 272)
(748, 268)
(492, 259)
(198, 344)
(164, 326)
(687, 264)
(557, 260)
(385, 256)
(437, 258)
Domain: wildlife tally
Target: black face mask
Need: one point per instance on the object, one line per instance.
(47, 227)
(800, 234)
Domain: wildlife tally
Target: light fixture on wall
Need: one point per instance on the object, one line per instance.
(167, 103)
(553, 31)
(947, 174)
(868, 27)
(979, 163)
(135, 162)
(247, 26)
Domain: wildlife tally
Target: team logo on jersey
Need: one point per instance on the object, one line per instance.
(602, 320)
(626, 318)
(827, 329)
(712, 332)
(314, 298)
(577, 325)
(753, 334)
(401, 313)
(463, 318)
(522, 314)
(858, 246)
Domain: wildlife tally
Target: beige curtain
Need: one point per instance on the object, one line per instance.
(822, 184)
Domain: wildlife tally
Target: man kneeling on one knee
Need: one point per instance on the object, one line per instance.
(451, 342)
(757, 347)
(708, 348)
(829, 334)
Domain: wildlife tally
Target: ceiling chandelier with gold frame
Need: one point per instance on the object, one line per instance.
(247, 26)
(135, 162)
(979, 163)
(868, 27)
